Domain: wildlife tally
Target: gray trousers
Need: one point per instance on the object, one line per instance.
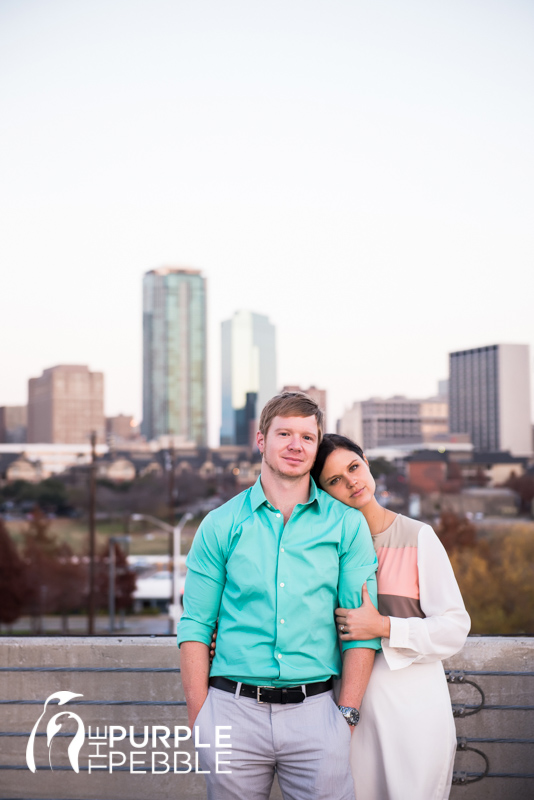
(308, 743)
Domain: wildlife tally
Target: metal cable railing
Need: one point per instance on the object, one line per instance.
(454, 678)
(458, 677)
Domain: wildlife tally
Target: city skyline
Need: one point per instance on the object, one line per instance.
(360, 174)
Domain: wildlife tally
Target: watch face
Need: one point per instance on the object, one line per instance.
(352, 715)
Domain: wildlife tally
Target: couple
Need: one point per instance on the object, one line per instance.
(275, 565)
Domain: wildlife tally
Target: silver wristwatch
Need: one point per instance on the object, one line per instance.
(352, 715)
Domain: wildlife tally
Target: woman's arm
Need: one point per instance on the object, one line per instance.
(444, 629)
(417, 640)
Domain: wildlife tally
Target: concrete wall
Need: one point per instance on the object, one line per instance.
(135, 698)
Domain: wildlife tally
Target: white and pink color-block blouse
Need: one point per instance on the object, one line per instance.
(417, 590)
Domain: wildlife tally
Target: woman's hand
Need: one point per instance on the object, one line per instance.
(212, 646)
(361, 623)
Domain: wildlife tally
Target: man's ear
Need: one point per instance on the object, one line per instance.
(260, 441)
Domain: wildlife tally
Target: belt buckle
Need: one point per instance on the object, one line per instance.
(258, 692)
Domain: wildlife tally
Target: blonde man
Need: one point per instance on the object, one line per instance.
(271, 566)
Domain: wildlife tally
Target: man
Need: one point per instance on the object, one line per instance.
(271, 565)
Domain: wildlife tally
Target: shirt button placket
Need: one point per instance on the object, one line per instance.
(281, 603)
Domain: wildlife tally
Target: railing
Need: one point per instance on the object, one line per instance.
(459, 677)
(495, 723)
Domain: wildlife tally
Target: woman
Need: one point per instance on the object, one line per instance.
(404, 744)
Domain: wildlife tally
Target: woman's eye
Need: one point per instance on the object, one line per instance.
(353, 467)
(333, 483)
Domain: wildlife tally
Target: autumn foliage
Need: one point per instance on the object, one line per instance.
(495, 572)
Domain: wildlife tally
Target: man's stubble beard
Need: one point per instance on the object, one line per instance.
(284, 475)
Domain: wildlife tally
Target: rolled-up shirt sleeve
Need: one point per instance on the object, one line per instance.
(358, 564)
(204, 585)
(443, 630)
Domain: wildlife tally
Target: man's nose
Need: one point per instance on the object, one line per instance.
(295, 443)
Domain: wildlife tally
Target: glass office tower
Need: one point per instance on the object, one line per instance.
(174, 355)
(248, 373)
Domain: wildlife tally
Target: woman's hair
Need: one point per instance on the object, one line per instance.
(291, 404)
(329, 443)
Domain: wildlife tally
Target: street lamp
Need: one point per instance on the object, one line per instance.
(176, 531)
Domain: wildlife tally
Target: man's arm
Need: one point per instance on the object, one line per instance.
(195, 670)
(204, 585)
(357, 666)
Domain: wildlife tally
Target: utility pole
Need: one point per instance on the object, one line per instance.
(92, 498)
(171, 523)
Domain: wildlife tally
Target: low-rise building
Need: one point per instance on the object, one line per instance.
(13, 424)
(394, 421)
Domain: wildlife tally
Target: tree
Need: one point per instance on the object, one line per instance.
(524, 486)
(56, 582)
(497, 582)
(456, 532)
(13, 579)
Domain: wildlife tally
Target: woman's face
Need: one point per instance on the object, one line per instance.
(347, 477)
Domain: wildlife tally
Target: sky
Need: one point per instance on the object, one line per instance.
(361, 172)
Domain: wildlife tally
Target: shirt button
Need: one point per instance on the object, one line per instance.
(282, 621)
(282, 550)
(282, 585)
(279, 655)
(278, 515)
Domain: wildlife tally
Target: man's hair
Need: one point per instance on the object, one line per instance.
(331, 442)
(291, 404)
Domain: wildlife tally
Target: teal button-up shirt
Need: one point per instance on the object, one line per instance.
(274, 588)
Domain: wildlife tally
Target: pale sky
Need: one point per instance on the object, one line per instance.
(361, 172)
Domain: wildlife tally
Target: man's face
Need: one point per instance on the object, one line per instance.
(290, 446)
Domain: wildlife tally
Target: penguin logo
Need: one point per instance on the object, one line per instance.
(54, 727)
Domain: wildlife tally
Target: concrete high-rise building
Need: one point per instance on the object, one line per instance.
(248, 373)
(174, 355)
(489, 397)
(65, 404)
(13, 424)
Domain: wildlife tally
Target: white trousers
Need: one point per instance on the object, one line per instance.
(307, 743)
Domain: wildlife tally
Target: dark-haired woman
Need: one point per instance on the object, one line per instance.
(404, 745)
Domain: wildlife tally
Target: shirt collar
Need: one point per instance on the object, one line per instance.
(257, 495)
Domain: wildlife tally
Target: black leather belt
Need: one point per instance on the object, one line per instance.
(272, 694)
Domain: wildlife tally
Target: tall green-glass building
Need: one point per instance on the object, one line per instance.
(174, 355)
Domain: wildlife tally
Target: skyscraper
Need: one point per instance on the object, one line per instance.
(65, 404)
(489, 397)
(248, 373)
(174, 355)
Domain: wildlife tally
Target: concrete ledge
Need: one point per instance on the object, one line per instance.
(151, 698)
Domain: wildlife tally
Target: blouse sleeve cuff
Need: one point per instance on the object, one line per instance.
(399, 632)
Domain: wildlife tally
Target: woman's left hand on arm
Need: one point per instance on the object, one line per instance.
(361, 623)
